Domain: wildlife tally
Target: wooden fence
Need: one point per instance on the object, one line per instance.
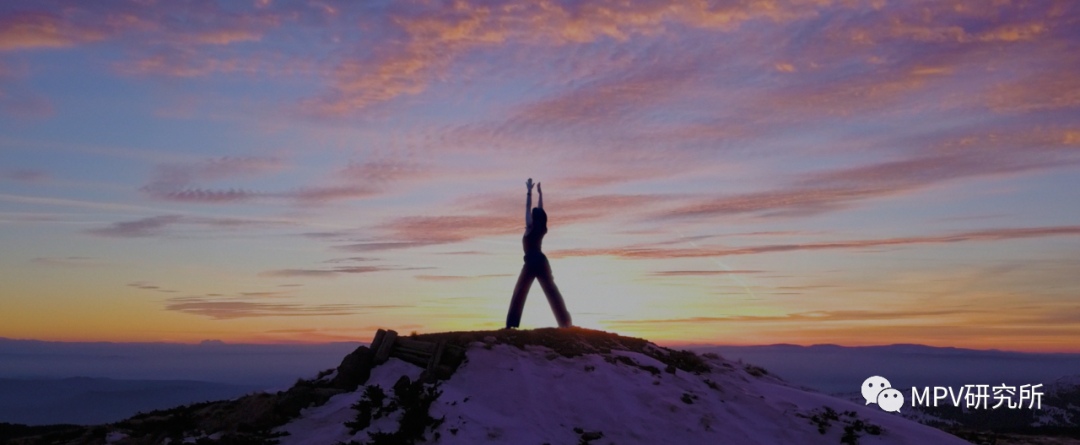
(439, 358)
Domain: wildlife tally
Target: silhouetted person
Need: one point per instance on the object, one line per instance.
(536, 265)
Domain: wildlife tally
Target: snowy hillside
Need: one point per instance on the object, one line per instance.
(554, 386)
(504, 394)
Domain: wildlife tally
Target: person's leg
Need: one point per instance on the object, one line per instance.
(554, 297)
(517, 302)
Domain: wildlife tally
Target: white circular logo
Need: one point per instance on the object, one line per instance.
(877, 389)
(890, 400)
(872, 386)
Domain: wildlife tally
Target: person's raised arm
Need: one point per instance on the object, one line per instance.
(528, 204)
(540, 201)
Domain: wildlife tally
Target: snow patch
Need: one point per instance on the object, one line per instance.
(506, 395)
(325, 424)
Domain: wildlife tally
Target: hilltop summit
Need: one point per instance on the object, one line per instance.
(554, 386)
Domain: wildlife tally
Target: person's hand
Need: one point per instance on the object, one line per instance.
(538, 188)
(529, 184)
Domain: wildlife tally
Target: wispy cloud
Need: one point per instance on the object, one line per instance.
(801, 317)
(147, 286)
(59, 24)
(646, 252)
(254, 304)
(837, 189)
(354, 259)
(230, 309)
(21, 103)
(157, 225)
(32, 30)
(696, 273)
(68, 261)
(499, 214)
(380, 246)
(404, 130)
(435, 38)
(174, 182)
(181, 182)
(334, 271)
(139, 228)
(25, 175)
(457, 277)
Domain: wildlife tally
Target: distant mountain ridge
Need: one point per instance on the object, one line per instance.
(841, 369)
(211, 361)
(87, 401)
(557, 386)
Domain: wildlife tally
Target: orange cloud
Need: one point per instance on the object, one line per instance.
(32, 30)
(1047, 91)
(646, 252)
(436, 37)
(229, 309)
(801, 317)
(227, 36)
(700, 273)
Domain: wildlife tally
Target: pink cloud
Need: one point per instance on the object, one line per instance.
(319, 195)
(33, 30)
(434, 38)
(840, 188)
(499, 216)
(646, 252)
(803, 317)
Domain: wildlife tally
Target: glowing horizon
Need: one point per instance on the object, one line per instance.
(804, 172)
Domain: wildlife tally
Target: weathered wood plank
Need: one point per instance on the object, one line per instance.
(413, 351)
(411, 358)
(418, 345)
(383, 354)
(437, 357)
(379, 335)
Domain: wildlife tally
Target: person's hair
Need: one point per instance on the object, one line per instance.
(539, 217)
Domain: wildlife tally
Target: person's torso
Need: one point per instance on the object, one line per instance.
(532, 239)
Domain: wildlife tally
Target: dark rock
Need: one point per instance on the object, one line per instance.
(354, 370)
(402, 385)
(300, 397)
(756, 371)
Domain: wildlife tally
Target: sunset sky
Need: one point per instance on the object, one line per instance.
(737, 172)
